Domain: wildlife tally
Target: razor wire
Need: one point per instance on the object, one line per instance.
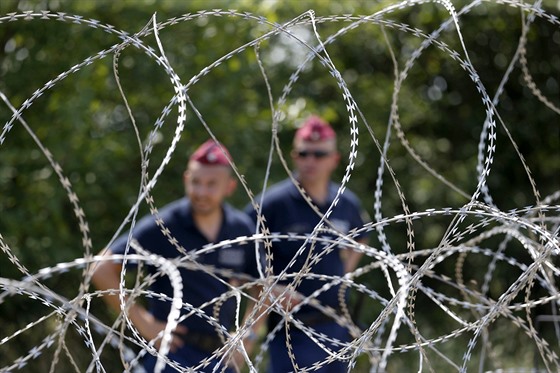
(535, 228)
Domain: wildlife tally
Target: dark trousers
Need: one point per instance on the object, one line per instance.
(187, 356)
(306, 351)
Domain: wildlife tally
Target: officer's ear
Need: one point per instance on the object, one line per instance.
(231, 186)
(336, 156)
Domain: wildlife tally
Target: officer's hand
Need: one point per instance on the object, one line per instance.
(237, 359)
(287, 297)
(151, 328)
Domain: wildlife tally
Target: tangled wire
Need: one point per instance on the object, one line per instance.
(407, 275)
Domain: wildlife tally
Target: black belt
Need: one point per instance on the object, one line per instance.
(202, 341)
(307, 318)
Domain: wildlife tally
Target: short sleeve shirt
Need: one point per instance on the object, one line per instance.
(287, 212)
(198, 285)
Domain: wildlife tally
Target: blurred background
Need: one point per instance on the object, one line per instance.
(84, 123)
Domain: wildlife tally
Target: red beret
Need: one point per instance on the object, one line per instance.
(315, 129)
(210, 153)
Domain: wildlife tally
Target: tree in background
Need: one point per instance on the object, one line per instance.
(436, 110)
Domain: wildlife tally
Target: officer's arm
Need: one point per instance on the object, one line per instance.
(352, 257)
(106, 276)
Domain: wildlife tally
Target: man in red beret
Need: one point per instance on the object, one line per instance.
(287, 211)
(187, 227)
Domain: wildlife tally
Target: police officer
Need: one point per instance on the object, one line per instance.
(188, 225)
(285, 209)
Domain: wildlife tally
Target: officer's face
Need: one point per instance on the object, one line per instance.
(315, 161)
(207, 186)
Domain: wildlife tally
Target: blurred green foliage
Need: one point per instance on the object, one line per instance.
(84, 123)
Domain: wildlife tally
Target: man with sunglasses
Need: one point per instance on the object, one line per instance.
(309, 255)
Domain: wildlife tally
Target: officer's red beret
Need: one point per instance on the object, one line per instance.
(210, 153)
(315, 129)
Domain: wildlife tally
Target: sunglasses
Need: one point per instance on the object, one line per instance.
(315, 153)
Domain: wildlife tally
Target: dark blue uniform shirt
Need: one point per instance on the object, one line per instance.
(198, 286)
(286, 211)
